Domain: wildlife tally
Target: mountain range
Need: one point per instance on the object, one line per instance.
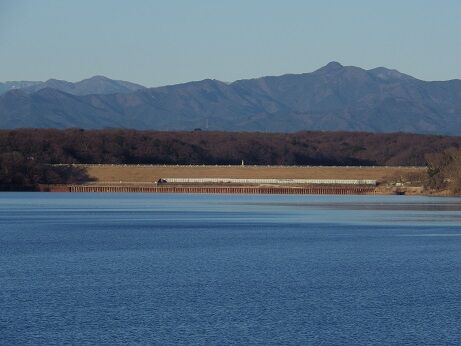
(332, 98)
(94, 85)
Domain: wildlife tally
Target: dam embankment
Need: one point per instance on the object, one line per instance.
(305, 190)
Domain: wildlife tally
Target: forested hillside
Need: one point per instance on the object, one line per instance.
(201, 147)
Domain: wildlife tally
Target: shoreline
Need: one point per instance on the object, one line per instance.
(228, 179)
(248, 190)
(227, 189)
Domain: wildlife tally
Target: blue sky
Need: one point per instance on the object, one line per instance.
(166, 42)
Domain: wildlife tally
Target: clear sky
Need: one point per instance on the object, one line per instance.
(170, 41)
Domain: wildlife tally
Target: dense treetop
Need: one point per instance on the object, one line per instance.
(202, 147)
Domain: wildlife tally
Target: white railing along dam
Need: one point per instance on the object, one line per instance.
(270, 181)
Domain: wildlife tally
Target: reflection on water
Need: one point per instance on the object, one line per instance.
(370, 209)
(432, 235)
(373, 205)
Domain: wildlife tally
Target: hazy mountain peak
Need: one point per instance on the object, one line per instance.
(103, 85)
(388, 74)
(99, 85)
(53, 80)
(55, 83)
(332, 66)
(98, 77)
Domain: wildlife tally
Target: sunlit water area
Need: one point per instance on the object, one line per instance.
(185, 269)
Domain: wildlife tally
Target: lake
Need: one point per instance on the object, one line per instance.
(165, 269)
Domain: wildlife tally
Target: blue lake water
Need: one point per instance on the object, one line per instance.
(159, 269)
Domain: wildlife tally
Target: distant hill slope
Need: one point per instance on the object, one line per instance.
(333, 98)
(95, 85)
(8, 86)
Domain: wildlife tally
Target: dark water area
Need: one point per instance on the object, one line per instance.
(110, 269)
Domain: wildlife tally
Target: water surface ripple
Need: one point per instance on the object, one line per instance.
(110, 269)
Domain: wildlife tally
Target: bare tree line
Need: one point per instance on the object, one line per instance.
(26, 153)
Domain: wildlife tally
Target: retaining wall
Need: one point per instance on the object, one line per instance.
(317, 190)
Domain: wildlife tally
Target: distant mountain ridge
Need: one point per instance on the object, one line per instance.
(14, 85)
(98, 85)
(332, 98)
